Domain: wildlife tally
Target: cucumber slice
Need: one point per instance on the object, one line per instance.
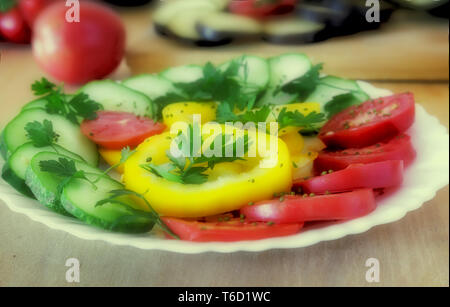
(116, 97)
(20, 159)
(79, 198)
(44, 185)
(37, 103)
(333, 86)
(70, 136)
(153, 86)
(167, 11)
(284, 69)
(183, 27)
(183, 74)
(221, 26)
(254, 70)
(293, 31)
(40, 103)
(16, 182)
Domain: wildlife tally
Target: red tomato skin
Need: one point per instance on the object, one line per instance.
(356, 176)
(13, 27)
(294, 209)
(78, 52)
(30, 9)
(251, 9)
(116, 130)
(335, 133)
(398, 148)
(231, 231)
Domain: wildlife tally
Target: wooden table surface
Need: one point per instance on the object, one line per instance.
(404, 56)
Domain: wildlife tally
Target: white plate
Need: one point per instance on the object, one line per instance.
(428, 174)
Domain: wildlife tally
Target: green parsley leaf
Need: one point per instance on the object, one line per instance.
(41, 134)
(304, 85)
(6, 5)
(195, 175)
(64, 168)
(42, 87)
(164, 171)
(297, 119)
(125, 154)
(84, 107)
(340, 102)
(224, 114)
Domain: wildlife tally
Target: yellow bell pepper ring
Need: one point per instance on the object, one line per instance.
(184, 112)
(229, 187)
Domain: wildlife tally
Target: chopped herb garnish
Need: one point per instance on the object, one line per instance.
(297, 119)
(191, 168)
(73, 108)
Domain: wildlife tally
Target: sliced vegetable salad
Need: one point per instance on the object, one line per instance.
(249, 149)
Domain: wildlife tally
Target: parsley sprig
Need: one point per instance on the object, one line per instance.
(296, 119)
(117, 197)
(71, 107)
(41, 134)
(303, 86)
(224, 115)
(192, 168)
(66, 169)
(125, 154)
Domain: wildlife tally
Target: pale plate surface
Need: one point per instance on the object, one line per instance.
(428, 174)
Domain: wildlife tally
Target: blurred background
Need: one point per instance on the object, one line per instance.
(383, 41)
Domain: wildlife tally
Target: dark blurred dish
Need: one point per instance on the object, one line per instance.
(205, 22)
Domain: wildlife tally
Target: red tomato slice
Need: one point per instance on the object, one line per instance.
(115, 130)
(259, 9)
(374, 175)
(370, 122)
(398, 148)
(231, 231)
(13, 27)
(294, 209)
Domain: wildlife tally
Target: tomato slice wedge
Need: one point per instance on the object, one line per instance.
(115, 130)
(294, 209)
(233, 230)
(373, 175)
(370, 122)
(398, 148)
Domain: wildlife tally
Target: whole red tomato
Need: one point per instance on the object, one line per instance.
(13, 27)
(77, 52)
(30, 9)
